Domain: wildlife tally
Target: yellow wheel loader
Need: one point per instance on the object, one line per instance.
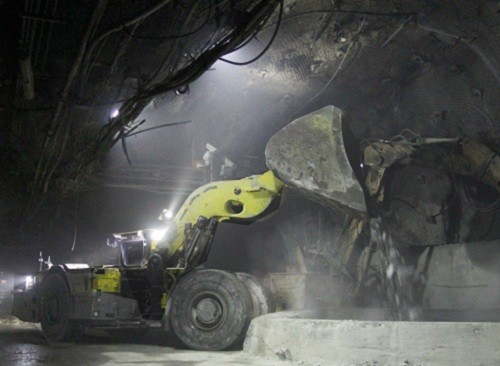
(159, 274)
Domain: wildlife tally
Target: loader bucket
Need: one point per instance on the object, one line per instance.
(316, 154)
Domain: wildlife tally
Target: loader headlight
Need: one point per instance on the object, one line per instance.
(28, 282)
(158, 234)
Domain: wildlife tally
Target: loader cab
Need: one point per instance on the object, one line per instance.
(133, 252)
(133, 248)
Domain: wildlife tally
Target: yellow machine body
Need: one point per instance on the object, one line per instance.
(107, 280)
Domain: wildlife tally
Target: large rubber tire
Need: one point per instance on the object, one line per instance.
(263, 302)
(210, 310)
(54, 311)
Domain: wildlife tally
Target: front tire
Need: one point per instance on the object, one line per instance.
(263, 302)
(55, 310)
(210, 310)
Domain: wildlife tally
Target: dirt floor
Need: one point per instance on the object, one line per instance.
(24, 344)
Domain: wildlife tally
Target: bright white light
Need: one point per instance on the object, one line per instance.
(28, 282)
(76, 265)
(158, 234)
(115, 113)
(166, 215)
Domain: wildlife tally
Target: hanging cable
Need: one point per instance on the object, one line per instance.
(218, 43)
(253, 36)
(139, 18)
(266, 48)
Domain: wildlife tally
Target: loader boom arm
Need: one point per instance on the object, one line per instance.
(240, 201)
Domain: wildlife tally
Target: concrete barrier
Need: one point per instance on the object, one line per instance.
(309, 342)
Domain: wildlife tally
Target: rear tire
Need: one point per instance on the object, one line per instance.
(210, 310)
(263, 302)
(55, 310)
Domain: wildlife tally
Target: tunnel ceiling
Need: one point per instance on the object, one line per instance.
(431, 66)
(392, 67)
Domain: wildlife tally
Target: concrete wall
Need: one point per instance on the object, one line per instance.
(348, 342)
(464, 277)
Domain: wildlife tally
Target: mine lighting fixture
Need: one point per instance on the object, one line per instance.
(207, 156)
(115, 113)
(227, 169)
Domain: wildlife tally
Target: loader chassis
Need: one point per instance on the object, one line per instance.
(151, 285)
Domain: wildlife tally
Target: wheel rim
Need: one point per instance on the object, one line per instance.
(207, 311)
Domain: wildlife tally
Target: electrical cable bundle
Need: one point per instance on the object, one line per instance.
(164, 45)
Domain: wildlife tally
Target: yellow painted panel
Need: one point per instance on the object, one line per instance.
(109, 281)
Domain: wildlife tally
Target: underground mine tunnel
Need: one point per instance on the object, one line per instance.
(265, 182)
